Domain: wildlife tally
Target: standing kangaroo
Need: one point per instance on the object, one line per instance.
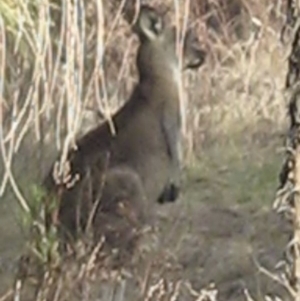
(141, 161)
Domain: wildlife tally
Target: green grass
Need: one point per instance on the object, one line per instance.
(235, 173)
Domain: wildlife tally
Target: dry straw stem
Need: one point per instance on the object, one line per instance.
(18, 43)
(51, 74)
(181, 29)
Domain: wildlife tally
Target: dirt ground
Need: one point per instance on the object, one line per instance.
(226, 245)
(228, 227)
(220, 230)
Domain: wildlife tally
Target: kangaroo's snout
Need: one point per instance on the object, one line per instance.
(197, 60)
(194, 54)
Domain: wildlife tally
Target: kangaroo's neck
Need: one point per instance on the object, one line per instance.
(165, 75)
(160, 86)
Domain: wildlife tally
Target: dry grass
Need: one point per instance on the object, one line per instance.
(240, 86)
(58, 71)
(242, 91)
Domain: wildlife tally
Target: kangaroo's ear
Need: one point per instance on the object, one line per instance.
(149, 24)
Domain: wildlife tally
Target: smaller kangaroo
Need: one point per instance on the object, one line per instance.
(140, 164)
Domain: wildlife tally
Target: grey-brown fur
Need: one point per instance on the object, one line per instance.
(147, 127)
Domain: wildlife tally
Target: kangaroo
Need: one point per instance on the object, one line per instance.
(147, 127)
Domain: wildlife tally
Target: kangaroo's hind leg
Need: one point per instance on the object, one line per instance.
(123, 210)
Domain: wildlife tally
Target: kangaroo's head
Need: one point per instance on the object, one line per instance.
(157, 54)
